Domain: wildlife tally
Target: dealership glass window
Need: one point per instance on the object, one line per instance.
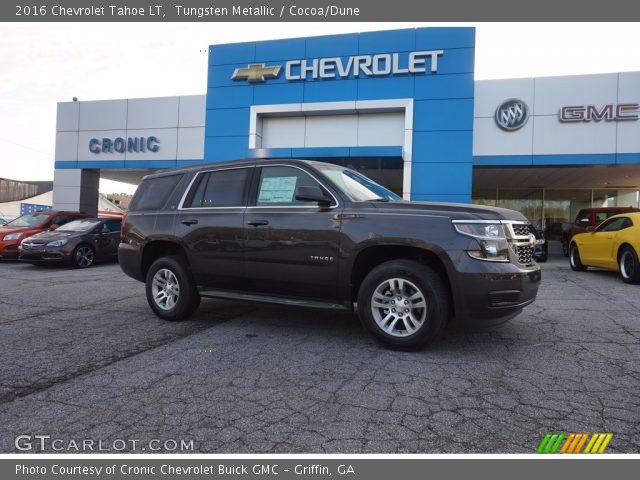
(221, 188)
(485, 197)
(527, 201)
(559, 206)
(615, 197)
(562, 206)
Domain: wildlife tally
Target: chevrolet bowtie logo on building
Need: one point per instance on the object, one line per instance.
(256, 72)
(512, 114)
(574, 442)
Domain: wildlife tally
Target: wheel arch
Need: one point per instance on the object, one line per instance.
(371, 256)
(622, 246)
(84, 243)
(155, 249)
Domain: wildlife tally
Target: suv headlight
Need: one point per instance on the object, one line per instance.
(57, 243)
(490, 237)
(12, 236)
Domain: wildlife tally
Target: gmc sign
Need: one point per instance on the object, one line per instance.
(588, 113)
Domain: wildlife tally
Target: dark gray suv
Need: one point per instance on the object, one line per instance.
(298, 232)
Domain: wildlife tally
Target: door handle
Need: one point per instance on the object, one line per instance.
(258, 223)
(189, 222)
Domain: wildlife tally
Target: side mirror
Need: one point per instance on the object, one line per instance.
(312, 194)
(53, 227)
(591, 229)
(584, 221)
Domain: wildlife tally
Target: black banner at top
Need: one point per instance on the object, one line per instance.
(316, 10)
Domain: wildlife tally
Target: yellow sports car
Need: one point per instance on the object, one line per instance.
(613, 245)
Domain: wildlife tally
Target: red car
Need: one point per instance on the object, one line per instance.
(22, 227)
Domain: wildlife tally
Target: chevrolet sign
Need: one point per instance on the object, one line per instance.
(382, 64)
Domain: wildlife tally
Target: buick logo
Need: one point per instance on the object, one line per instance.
(512, 114)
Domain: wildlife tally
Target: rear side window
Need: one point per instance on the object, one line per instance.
(221, 188)
(583, 215)
(614, 225)
(62, 219)
(113, 225)
(153, 193)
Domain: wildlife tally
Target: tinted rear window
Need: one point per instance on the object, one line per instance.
(221, 188)
(153, 193)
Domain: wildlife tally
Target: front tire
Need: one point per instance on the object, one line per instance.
(171, 291)
(574, 259)
(83, 256)
(629, 266)
(404, 304)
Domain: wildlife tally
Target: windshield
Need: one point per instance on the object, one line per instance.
(28, 220)
(356, 186)
(78, 226)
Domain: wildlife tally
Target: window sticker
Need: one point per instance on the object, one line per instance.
(277, 189)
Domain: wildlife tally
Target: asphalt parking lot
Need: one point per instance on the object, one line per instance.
(83, 358)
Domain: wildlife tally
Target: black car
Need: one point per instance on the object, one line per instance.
(80, 243)
(305, 233)
(541, 252)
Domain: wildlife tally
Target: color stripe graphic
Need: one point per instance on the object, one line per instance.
(552, 442)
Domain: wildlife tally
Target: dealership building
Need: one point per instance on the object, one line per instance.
(400, 106)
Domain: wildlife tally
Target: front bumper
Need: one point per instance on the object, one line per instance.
(8, 249)
(488, 294)
(45, 255)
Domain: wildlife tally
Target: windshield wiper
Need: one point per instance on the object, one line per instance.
(379, 199)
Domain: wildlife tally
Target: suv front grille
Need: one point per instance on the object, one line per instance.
(519, 236)
(521, 229)
(32, 245)
(524, 253)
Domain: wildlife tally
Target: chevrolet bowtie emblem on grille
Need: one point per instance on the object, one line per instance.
(256, 72)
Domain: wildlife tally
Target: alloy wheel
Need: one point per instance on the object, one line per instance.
(399, 307)
(84, 256)
(627, 264)
(165, 289)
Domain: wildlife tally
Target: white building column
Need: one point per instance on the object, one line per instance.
(76, 189)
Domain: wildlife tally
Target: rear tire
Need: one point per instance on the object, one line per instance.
(171, 291)
(574, 259)
(629, 266)
(404, 304)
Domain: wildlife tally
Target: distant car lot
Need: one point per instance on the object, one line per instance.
(83, 358)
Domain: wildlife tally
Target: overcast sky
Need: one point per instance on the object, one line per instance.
(42, 64)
